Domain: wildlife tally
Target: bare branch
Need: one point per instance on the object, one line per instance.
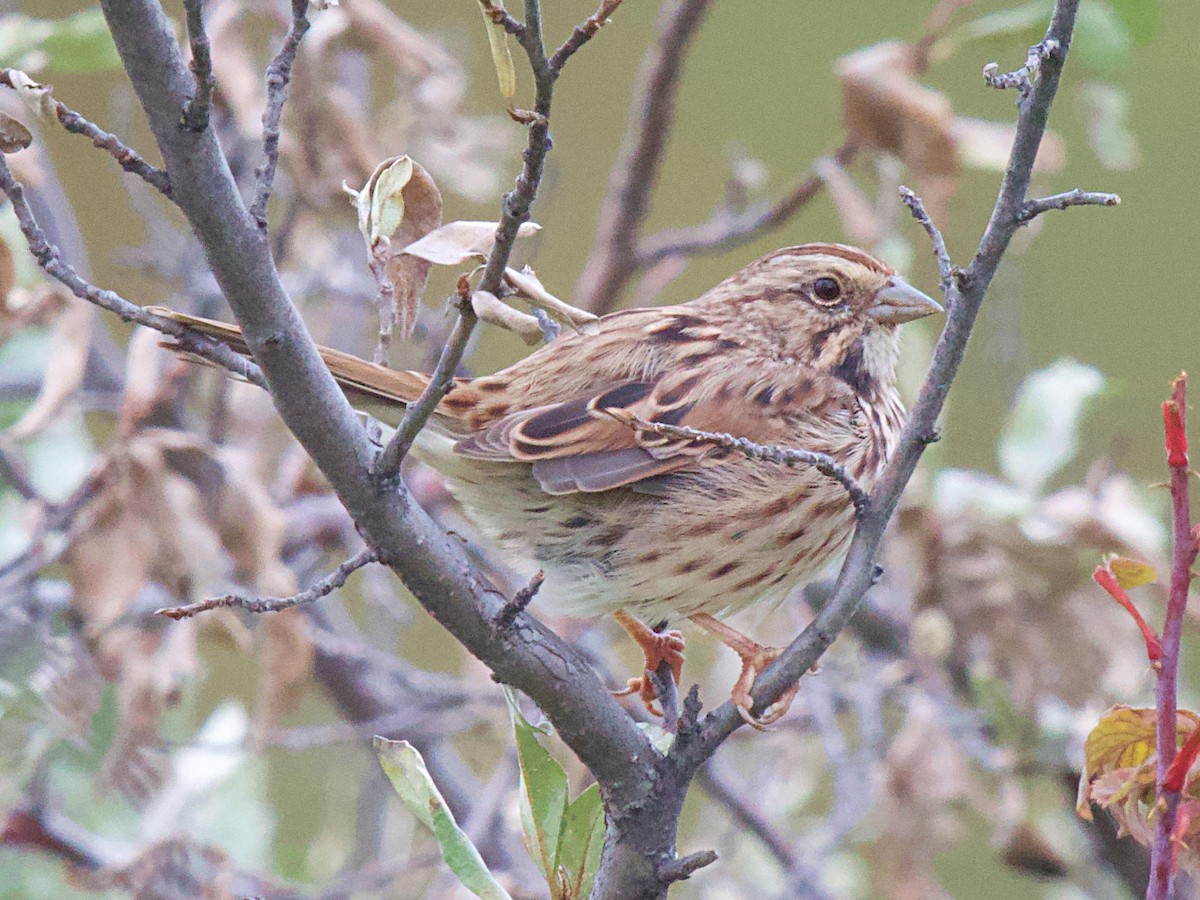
(434, 566)
(516, 206)
(127, 158)
(196, 111)
(945, 266)
(583, 33)
(50, 259)
(279, 73)
(724, 232)
(633, 176)
(786, 456)
(322, 588)
(1031, 209)
(963, 300)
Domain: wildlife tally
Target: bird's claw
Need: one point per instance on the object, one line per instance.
(752, 663)
(659, 647)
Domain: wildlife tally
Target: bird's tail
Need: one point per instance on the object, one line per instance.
(376, 389)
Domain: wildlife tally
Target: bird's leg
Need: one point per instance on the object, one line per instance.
(659, 647)
(755, 658)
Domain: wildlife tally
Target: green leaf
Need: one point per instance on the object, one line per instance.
(1102, 39)
(78, 43)
(1105, 111)
(580, 844)
(543, 794)
(1042, 432)
(406, 770)
(1140, 17)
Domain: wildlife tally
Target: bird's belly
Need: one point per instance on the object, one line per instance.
(706, 543)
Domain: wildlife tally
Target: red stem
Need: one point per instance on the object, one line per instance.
(1161, 855)
(1104, 577)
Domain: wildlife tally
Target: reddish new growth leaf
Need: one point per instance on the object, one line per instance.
(1177, 772)
(1177, 449)
(1106, 579)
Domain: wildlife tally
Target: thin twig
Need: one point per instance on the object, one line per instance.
(50, 259)
(683, 868)
(1023, 78)
(945, 266)
(196, 111)
(387, 464)
(126, 157)
(635, 171)
(498, 14)
(322, 588)
(724, 232)
(786, 456)
(583, 33)
(520, 600)
(1186, 545)
(963, 301)
(515, 212)
(279, 73)
(1078, 197)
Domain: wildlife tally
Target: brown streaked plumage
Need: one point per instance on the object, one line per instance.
(796, 349)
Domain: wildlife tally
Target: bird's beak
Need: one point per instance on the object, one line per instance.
(898, 301)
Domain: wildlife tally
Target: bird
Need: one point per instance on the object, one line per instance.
(557, 461)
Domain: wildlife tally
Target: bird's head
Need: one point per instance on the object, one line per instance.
(828, 306)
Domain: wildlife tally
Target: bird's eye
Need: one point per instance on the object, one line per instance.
(827, 289)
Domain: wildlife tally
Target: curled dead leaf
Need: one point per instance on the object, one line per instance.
(457, 242)
(527, 285)
(70, 340)
(398, 205)
(491, 309)
(13, 135)
(34, 95)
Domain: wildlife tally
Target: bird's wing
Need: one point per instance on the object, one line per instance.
(601, 441)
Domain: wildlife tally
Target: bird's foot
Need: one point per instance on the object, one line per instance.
(755, 657)
(659, 647)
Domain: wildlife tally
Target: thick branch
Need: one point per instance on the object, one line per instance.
(322, 588)
(50, 259)
(433, 565)
(963, 302)
(631, 182)
(126, 157)
(279, 74)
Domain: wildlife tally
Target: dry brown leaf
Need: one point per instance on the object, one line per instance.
(527, 285)
(152, 377)
(285, 658)
(70, 684)
(408, 274)
(885, 108)
(8, 279)
(457, 242)
(492, 309)
(70, 341)
(13, 135)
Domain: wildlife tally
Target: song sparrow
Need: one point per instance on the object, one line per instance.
(797, 349)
